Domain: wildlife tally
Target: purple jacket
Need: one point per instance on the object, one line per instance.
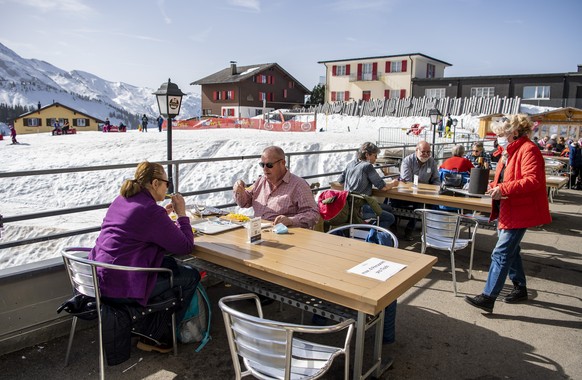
(136, 231)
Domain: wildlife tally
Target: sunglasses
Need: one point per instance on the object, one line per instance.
(269, 164)
(163, 180)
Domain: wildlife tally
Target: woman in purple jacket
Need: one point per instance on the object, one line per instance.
(136, 231)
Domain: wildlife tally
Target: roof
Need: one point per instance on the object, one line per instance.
(386, 56)
(59, 105)
(505, 76)
(243, 73)
(568, 114)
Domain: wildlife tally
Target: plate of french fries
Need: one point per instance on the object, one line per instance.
(236, 218)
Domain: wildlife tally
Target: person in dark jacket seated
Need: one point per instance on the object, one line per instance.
(136, 231)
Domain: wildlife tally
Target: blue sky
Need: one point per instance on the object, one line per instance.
(144, 42)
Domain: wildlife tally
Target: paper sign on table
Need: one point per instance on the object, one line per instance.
(377, 268)
(415, 181)
(254, 230)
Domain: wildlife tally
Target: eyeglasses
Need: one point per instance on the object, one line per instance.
(269, 164)
(164, 180)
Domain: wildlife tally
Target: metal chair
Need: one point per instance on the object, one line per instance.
(84, 280)
(441, 230)
(361, 231)
(270, 350)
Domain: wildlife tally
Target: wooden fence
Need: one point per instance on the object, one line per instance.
(420, 106)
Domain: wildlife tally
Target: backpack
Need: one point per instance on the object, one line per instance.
(195, 326)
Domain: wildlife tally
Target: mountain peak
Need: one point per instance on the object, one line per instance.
(25, 82)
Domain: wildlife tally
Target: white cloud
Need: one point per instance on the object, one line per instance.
(166, 18)
(253, 5)
(64, 6)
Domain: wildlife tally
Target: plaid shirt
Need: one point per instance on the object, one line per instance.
(292, 198)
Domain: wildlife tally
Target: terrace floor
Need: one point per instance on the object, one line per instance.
(438, 335)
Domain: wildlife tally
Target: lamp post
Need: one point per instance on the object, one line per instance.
(169, 98)
(434, 115)
(455, 121)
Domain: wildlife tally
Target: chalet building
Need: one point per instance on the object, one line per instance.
(245, 90)
(546, 90)
(42, 119)
(388, 76)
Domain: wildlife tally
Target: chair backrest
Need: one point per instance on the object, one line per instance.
(82, 270)
(440, 226)
(82, 273)
(266, 345)
(362, 232)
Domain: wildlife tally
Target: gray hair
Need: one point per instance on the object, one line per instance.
(458, 150)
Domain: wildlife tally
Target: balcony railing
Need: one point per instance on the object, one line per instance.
(366, 77)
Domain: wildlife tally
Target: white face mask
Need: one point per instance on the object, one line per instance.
(502, 141)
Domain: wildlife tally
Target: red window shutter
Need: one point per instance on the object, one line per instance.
(285, 93)
(223, 95)
(215, 95)
(348, 69)
(359, 71)
(404, 64)
(272, 79)
(333, 95)
(388, 66)
(334, 70)
(386, 93)
(374, 70)
(402, 94)
(346, 96)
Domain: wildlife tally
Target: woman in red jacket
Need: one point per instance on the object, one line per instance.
(519, 201)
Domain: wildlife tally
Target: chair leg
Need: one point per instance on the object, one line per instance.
(174, 339)
(453, 270)
(471, 261)
(101, 348)
(71, 336)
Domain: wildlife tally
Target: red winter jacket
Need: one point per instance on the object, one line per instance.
(524, 185)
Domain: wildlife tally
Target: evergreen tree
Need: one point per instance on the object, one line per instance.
(317, 95)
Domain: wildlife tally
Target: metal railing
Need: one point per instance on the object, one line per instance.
(178, 168)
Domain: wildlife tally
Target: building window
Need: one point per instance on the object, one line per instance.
(395, 94)
(367, 70)
(80, 122)
(366, 95)
(284, 93)
(395, 66)
(483, 92)
(268, 96)
(32, 122)
(338, 96)
(230, 95)
(536, 92)
(438, 93)
(430, 70)
(207, 112)
(340, 70)
(228, 112)
(291, 84)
